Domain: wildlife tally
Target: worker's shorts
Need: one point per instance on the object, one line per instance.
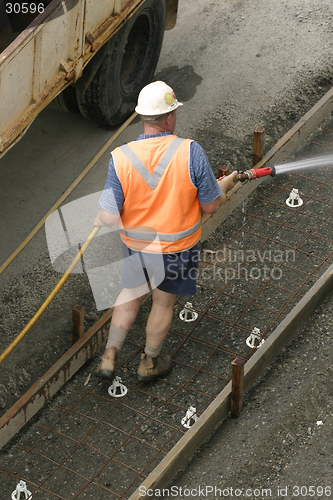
(174, 273)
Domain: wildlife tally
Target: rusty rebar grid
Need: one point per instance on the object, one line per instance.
(177, 393)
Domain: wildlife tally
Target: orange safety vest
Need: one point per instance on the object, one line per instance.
(161, 211)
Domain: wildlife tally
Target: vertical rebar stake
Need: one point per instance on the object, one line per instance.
(258, 145)
(78, 323)
(223, 170)
(237, 387)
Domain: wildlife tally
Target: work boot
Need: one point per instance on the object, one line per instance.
(107, 367)
(151, 368)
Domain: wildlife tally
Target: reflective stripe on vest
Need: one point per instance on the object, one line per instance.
(137, 235)
(152, 179)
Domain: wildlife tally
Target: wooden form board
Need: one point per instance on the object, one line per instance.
(47, 386)
(41, 392)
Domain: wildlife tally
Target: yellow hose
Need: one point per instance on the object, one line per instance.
(51, 296)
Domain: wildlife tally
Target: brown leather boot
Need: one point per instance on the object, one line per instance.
(151, 368)
(107, 367)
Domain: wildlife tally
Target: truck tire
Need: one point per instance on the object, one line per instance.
(129, 64)
(66, 101)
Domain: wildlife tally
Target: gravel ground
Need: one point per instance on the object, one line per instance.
(249, 63)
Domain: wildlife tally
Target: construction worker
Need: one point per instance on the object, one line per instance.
(154, 190)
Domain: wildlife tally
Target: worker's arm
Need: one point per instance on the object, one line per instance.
(225, 184)
(105, 218)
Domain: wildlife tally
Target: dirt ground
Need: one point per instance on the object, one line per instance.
(248, 64)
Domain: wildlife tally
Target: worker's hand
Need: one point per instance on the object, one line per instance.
(226, 183)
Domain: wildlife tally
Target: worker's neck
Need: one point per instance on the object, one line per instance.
(155, 129)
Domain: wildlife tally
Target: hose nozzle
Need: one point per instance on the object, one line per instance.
(253, 173)
(243, 176)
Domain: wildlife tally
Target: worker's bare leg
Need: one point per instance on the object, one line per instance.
(124, 314)
(153, 364)
(160, 317)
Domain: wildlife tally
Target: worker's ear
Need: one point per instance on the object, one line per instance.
(170, 121)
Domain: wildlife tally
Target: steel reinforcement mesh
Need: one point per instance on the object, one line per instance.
(86, 444)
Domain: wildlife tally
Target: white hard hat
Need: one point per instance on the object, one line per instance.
(156, 99)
